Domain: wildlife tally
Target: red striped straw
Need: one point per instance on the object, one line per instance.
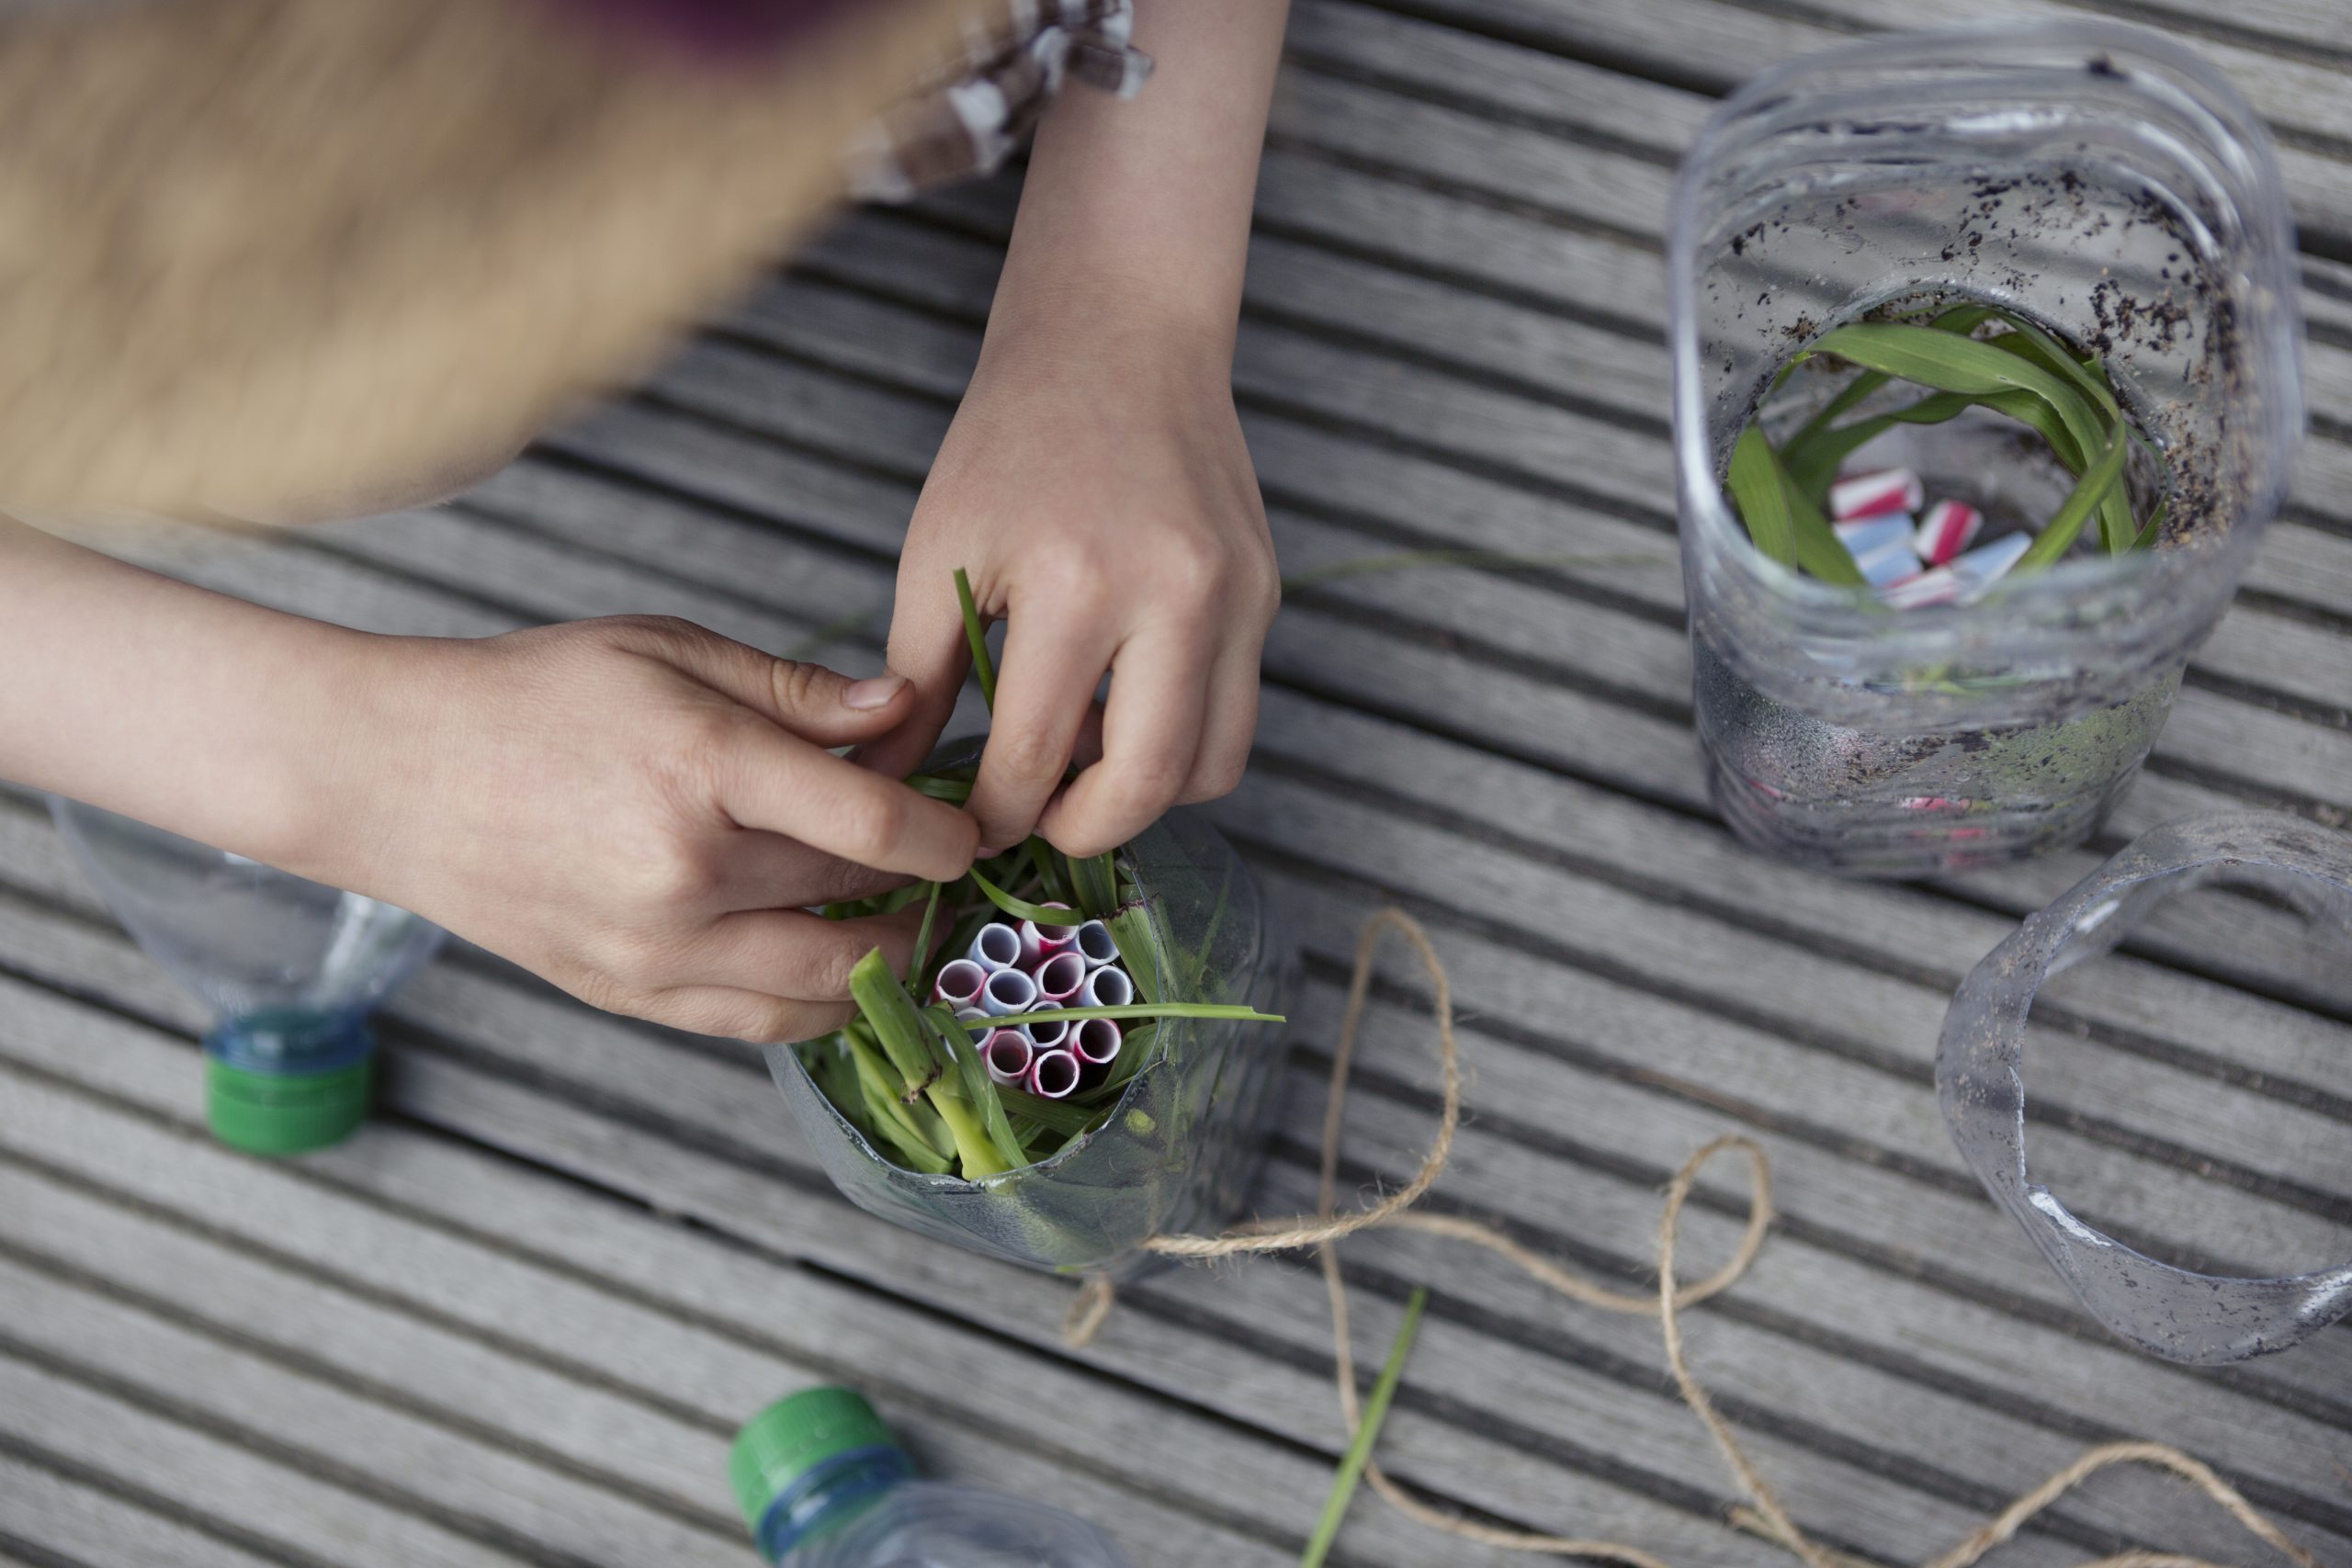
(1096, 945)
(1059, 977)
(1053, 1074)
(959, 983)
(1006, 992)
(1047, 1035)
(1868, 495)
(1948, 527)
(1108, 989)
(1043, 942)
(996, 946)
(1098, 1042)
(1007, 1055)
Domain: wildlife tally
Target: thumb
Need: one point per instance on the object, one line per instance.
(820, 705)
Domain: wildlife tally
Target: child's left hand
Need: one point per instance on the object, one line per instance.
(1096, 487)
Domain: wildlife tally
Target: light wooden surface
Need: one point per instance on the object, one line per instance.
(518, 1319)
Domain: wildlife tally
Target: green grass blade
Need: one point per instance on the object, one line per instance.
(1963, 320)
(1049, 870)
(1136, 934)
(1848, 398)
(1786, 525)
(828, 1062)
(2089, 376)
(1094, 884)
(1061, 1115)
(956, 792)
(1813, 464)
(1156, 1009)
(2058, 535)
(977, 635)
(1819, 550)
(1375, 1411)
(888, 903)
(1950, 363)
(922, 936)
(1197, 968)
(1761, 497)
(2151, 530)
(1815, 467)
(1021, 909)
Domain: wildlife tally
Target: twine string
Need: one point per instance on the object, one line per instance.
(1763, 1513)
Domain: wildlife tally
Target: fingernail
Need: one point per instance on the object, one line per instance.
(872, 693)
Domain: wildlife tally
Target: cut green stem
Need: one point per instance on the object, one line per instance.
(1375, 1411)
(976, 634)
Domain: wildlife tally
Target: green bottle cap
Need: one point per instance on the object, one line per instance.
(789, 1438)
(286, 1113)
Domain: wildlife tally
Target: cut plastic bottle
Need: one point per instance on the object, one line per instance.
(824, 1484)
(291, 969)
(2178, 1313)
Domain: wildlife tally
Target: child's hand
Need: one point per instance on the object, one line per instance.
(640, 810)
(1096, 487)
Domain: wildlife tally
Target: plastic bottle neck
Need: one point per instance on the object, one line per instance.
(829, 1496)
(290, 1039)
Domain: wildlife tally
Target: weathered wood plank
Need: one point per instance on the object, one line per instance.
(477, 1010)
(86, 1525)
(193, 1469)
(1215, 1362)
(1842, 1011)
(480, 1488)
(606, 1078)
(1708, 45)
(519, 1311)
(1474, 153)
(501, 1384)
(1300, 1291)
(1500, 79)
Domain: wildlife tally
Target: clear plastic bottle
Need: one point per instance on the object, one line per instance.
(290, 968)
(2097, 179)
(824, 1484)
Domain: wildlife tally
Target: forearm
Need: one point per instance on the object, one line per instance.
(1140, 209)
(198, 713)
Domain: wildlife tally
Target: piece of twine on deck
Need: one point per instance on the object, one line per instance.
(1763, 1514)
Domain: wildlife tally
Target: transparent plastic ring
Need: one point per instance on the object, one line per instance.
(2180, 1315)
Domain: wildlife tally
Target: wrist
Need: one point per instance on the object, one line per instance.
(336, 760)
(1098, 342)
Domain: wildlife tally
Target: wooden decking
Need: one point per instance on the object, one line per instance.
(518, 1318)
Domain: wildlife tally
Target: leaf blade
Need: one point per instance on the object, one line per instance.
(1021, 909)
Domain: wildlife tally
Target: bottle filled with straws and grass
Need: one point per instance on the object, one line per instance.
(1083, 1054)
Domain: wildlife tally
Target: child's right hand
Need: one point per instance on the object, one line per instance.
(638, 810)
